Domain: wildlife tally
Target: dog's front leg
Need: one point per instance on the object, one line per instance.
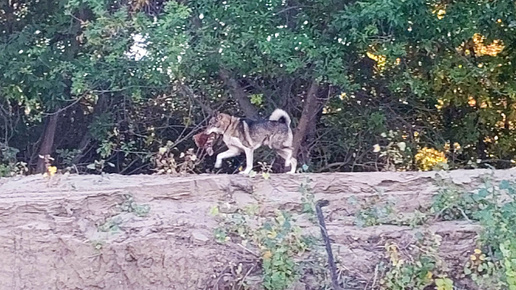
(231, 152)
(248, 160)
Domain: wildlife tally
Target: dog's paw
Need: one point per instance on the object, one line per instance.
(247, 172)
(218, 164)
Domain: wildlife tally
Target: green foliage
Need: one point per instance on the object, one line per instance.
(307, 198)
(396, 155)
(8, 164)
(372, 211)
(491, 266)
(498, 221)
(66, 156)
(284, 253)
(281, 243)
(484, 270)
(128, 205)
(125, 77)
(418, 270)
(277, 239)
(451, 203)
(494, 206)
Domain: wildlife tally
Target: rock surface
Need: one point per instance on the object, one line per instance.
(91, 232)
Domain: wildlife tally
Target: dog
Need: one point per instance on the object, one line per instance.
(245, 135)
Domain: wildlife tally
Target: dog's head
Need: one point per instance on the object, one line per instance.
(218, 123)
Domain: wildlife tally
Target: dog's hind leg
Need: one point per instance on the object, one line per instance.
(231, 152)
(286, 153)
(293, 165)
(248, 160)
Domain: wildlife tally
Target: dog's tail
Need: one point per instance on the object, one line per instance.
(278, 115)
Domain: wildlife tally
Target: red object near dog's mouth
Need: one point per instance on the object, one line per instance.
(205, 141)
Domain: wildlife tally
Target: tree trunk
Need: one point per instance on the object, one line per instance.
(239, 94)
(48, 141)
(99, 108)
(311, 133)
(310, 109)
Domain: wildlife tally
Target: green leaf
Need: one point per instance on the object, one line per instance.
(467, 271)
(504, 184)
(214, 211)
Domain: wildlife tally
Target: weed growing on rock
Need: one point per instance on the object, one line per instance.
(494, 207)
(128, 205)
(112, 224)
(416, 270)
(484, 271)
(372, 211)
(266, 169)
(490, 266)
(451, 203)
(274, 239)
(284, 253)
(307, 198)
(498, 217)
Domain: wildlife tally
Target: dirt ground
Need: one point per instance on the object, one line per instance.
(70, 232)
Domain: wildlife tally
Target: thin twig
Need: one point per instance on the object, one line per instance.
(65, 108)
(249, 251)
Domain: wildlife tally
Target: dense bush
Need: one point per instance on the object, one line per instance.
(371, 85)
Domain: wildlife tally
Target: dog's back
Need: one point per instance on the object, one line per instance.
(275, 134)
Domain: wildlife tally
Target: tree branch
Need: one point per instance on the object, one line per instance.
(189, 92)
(239, 94)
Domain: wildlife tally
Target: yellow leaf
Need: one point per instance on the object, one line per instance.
(471, 101)
(52, 170)
(441, 13)
(267, 255)
(429, 275)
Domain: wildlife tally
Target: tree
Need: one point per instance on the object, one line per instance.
(118, 79)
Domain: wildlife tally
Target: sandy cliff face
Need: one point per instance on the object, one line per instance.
(156, 232)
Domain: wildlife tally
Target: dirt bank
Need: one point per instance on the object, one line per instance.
(156, 232)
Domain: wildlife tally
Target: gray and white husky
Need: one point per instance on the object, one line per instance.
(245, 135)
